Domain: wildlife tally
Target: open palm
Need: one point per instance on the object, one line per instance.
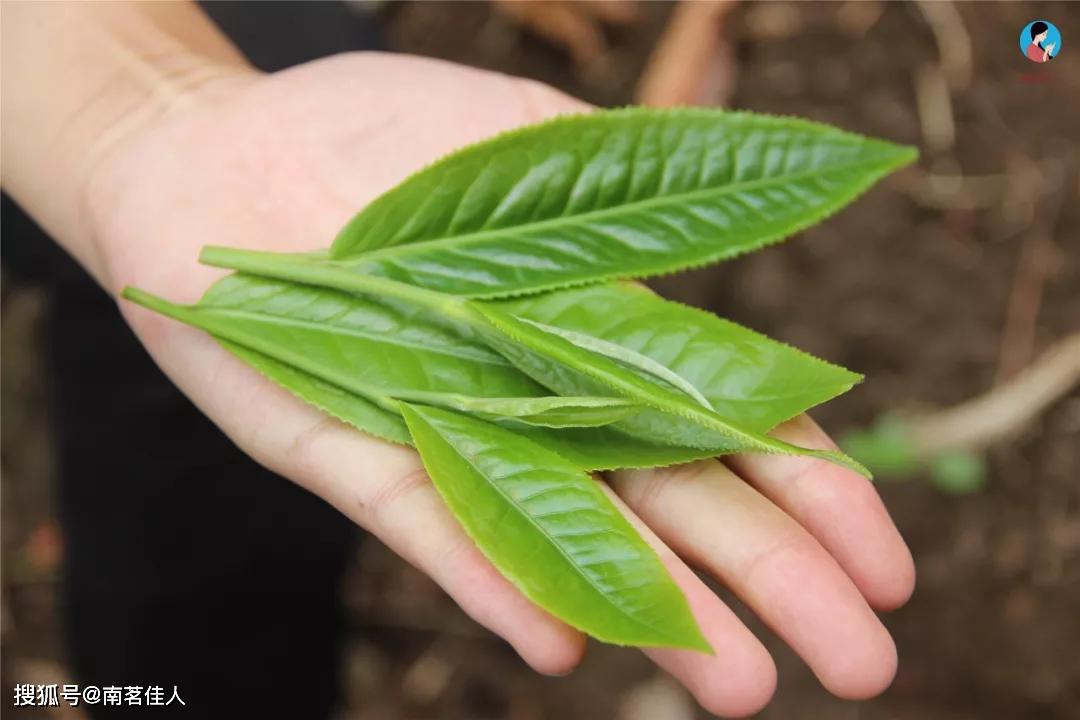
(281, 162)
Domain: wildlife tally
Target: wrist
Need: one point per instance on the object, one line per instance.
(121, 167)
(81, 81)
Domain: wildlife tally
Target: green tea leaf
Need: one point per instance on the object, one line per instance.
(611, 447)
(744, 376)
(353, 357)
(655, 425)
(347, 407)
(571, 370)
(624, 193)
(551, 530)
(630, 359)
(550, 411)
(375, 348)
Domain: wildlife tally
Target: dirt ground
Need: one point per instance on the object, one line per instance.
(926, 286)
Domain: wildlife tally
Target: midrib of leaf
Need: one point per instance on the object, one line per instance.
(552, 540)
(452, 241)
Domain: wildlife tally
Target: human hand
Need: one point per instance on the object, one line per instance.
(281, 162)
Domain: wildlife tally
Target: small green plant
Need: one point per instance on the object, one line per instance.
(478, 311)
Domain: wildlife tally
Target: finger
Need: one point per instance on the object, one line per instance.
(709, 516)
(379, 485)
(840, 508)
(398, 503)
(739, 678)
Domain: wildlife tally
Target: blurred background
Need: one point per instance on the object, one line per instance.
(954, 286)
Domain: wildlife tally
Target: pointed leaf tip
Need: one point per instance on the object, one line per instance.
(549, 528)
(611, 194)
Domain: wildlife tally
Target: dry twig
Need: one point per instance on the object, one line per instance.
(1005, 410)
(952, 38)
(935, 108)
(692, 63)
(574, 26)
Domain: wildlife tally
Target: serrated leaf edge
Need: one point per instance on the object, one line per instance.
(415, 410)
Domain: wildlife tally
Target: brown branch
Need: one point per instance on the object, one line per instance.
(573, 26)
(1005, 410)
(692, 64)
(934, 103)
(952, 38)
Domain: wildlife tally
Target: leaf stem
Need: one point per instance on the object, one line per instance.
(304, 269)
(158, 305)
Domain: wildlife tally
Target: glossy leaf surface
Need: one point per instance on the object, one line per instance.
(569, 369)
(624, 193)
(743, 375)
(357, 343)
(747, 378)
(350, 408)
(353, 357)
(631, 360)
(470, 311)
(612, 447)
(327, 335)
(550, 411)
(551, 530)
